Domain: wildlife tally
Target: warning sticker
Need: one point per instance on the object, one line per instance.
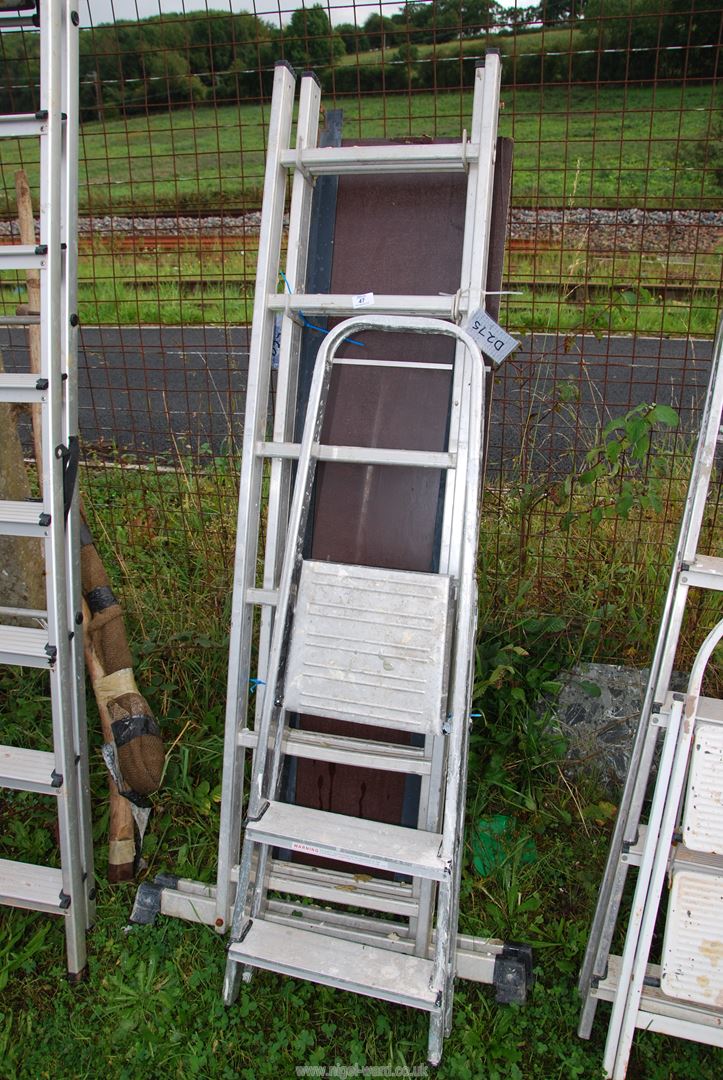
(491, 338)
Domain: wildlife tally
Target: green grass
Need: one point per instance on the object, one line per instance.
(153, 1006)
(573, 146)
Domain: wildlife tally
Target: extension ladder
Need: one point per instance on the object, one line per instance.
(51, 639)
(683, 835)
(391, 932)
(320, 619)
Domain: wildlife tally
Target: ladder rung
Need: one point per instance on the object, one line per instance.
(339, 887)
(440, 307)
(361, 753)
(19, 23)
(13, 127)
(19, 320)
(23, 519)
(29, 770)
(350, 839)
(38, 888)
(348, 965)
(23, 388)
(390, 158)
(24, 646)
(22, 256)
(705, 572)
(363, 455)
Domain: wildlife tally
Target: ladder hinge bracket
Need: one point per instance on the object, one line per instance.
(56, 779)
(41, 249)
(41, 384)
(44, 520)
(64, 900)
(70, 456)
(52, 652)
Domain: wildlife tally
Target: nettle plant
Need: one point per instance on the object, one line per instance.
(621, 474)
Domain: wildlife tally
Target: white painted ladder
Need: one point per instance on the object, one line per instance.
(683, 835)
(51, 639)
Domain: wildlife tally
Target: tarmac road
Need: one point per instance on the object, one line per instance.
(161, 391)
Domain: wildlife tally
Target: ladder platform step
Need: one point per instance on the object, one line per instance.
(24, 646)
(362, 455)
(347, 965)
(23, 519)
(28, 770)
(705, 572)
(399, 158)
(370, 646)
(349, 839)
(37, 888)
(22, 388)
(361, 753)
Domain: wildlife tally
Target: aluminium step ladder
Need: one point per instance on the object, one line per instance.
(51, 639)
(385, 648)
(683, 835)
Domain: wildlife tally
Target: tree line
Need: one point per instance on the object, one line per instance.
(215, 58)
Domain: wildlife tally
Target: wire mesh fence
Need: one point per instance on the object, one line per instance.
(612, 275)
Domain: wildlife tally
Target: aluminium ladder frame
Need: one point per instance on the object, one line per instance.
(436, 978)
(626, 981)
(506, 966)
(54, 639)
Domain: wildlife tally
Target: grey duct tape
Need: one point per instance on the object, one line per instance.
(99, 599)
(131, 727)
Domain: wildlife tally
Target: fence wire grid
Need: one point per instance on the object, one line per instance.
(612, 275)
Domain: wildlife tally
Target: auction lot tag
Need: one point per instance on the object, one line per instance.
(491, 338)
(363, 300)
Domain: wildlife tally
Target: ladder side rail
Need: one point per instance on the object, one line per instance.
(469, 447)
(628, 817)
(248, 519)
(617, 1050)
(59, 624)
(69, 346)
(473, 275)
(307, 129)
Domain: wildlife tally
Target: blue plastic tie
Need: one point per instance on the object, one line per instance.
(310, 325)
(254, 683)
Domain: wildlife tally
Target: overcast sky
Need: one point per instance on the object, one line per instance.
(94, 12)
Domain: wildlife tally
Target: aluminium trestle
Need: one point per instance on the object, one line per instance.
(680, 835)
(51, 639)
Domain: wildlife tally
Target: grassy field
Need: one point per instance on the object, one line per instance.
(152, 1007)
(573, 147)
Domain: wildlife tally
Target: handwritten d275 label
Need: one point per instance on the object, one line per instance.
(491, 338)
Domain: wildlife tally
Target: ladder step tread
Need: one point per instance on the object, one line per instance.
(350, 839)
(440, 307)
(15, 126)
(24, 645)
(22, 518)
(361, 753)
(370, 646)
(654, 1003)
(27, 770)
(26, 885)
(348, 965)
